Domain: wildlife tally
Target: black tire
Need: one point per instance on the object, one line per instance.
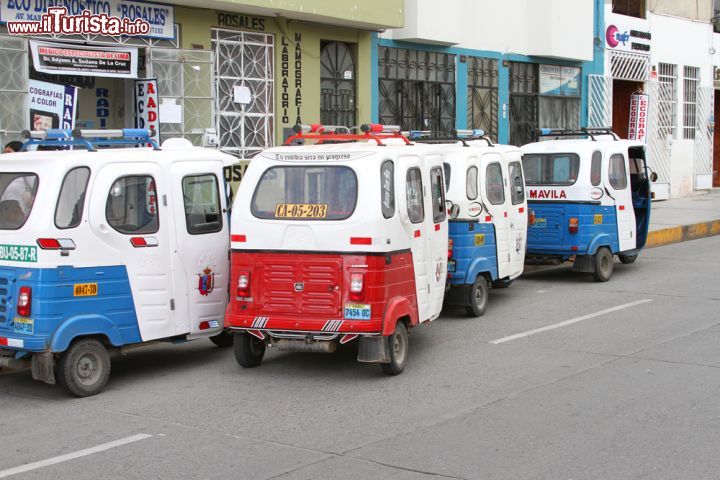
(503, 283)
(249, 350)
(222, 339)
(399, 347)
(84, 368)
(627, 259)
(603, 263)
(478, 297)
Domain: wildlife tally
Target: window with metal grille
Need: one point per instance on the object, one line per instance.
(482, 101)
(691, 78)
(667, 104)
(632, 8)
(523, 102)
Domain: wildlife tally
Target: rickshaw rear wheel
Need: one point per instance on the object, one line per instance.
(627, 259)
(84, 368)
(249, 350)
(399, 347)
(478, 297)
(603, 262)
(222, 339)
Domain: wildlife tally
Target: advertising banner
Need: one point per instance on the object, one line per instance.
(160, 17)
(637, 129)
(627, 34)
(559, 81)
(147, 106)
(95, 61)
(52, 105)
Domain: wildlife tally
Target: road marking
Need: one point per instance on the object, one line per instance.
(73, 455)
(569, 322)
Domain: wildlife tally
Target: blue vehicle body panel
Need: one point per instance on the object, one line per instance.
(549, 235)
(471, 257)
(59, 316)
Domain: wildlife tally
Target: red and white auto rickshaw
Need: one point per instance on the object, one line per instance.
(343, 239)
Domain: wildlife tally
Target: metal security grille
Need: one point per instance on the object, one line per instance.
(523, 102)
(629, 66)
(337, 85)
(417, 89)
(704, 133)
(184, 78)
(13, 87)
(691, 78)
(482, 80)
(667, 75)
(600, 101)
(660, 135)
(243, 60)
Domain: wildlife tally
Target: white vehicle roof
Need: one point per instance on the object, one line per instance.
(581, 146)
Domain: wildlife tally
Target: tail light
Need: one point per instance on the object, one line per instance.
(573, 225)
(56, 243)
(243, 285)
(24, 302)
(531, 217)
(450, 248)
(357, 286)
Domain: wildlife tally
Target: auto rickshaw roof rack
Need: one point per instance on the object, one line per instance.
(339, 134)
(581, 132)
(90, 139)
(463, 136)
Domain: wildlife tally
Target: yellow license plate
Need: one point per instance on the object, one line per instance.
(85, 290)
(479, 239)
(598, 219)
(301, 210)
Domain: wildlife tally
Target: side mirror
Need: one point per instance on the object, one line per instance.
(653, 177)
(454, 211)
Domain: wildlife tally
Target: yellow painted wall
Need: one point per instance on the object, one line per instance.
(196, 27)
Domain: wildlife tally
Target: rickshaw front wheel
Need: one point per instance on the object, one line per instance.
(603, 262)
(627, 259)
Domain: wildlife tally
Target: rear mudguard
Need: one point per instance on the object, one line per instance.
(82, 326)
(602, 240)
(397, 308)
(481, 265)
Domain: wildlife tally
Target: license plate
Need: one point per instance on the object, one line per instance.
(85, 290)
(451, 266)
(357, 311)
(301, 210)
(540, 223)
(24, 326)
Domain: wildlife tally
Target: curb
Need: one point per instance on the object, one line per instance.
(681, 233)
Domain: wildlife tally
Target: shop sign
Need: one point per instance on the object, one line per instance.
(147, 106)
(52, 105)
(241, 22)
(94, 61)
(638, 117)
(559, 81)
(627, 34)
(160, 17)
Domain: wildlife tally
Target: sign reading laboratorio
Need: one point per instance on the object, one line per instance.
(147, 106)
(559, 81)
(160, 17)
(51, 105)
(86, 60)
(637, 128)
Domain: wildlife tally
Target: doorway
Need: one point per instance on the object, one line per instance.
(622, 91)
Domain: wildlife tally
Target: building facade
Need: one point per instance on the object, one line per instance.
(506, 67)
(664, 51)
(250, 70)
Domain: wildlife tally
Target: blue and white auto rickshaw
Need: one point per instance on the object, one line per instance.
(588, 199)
(105, 248)
(488, 216)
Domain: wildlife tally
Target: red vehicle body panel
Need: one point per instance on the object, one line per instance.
(277, 304)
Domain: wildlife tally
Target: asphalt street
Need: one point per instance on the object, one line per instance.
(563, 378)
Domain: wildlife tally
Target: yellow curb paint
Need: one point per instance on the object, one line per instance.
(696, 230)
(715, 227)
(665, 236)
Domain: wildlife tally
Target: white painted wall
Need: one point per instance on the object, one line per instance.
(548, 28)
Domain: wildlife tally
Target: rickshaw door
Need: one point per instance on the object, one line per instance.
(618, 186)
(494, 188)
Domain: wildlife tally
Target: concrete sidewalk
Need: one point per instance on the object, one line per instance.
(685, 218)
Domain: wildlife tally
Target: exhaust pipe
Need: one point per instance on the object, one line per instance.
(286, 345)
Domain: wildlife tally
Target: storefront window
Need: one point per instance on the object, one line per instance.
(631, 8)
